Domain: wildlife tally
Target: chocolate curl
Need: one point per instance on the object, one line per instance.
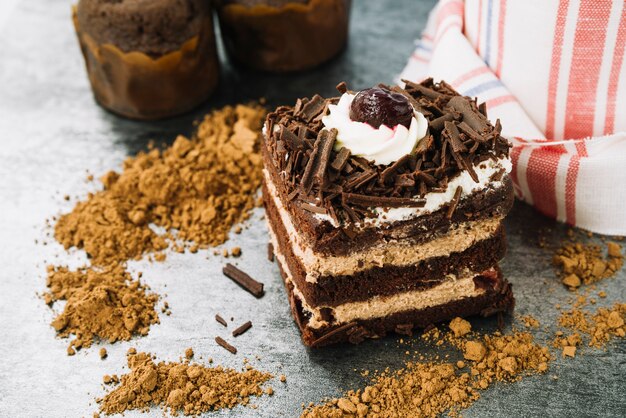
(430, 93)
(472, 118)
(319, 159)
(380, 201)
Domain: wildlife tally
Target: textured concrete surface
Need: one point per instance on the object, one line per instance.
(51, 132)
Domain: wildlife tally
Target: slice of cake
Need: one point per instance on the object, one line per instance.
(385, 210)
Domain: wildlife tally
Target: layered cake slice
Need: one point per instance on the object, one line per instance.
(385, 210)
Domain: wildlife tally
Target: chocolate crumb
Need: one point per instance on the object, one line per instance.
(270, 252)
(189, 353)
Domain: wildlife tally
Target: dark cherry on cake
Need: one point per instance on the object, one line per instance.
(379, 106)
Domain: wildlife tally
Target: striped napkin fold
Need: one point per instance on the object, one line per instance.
(553, 72)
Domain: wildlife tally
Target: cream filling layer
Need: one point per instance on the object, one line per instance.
(396, 253)
(454, 288)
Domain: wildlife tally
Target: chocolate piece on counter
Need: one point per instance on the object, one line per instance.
(283, 35)
(243, 280)
(222, 343)
(270, 252)
(148, 62)
(242, 329)
(221, 320)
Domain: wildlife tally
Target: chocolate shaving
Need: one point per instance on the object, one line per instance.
(332, 333)
(312, 208)
(318, 161)
(221, 320)
(381, 201)
(270, 252)
(340, 159)
(291, 139)
(242, 329)
(360, 179)
(313, 108)
(385, 176)
(404, 329)
(243, 280)
(454, 138)
(221, 342)
(472, 118)
(467, 130)
(430, 93)
(482, 108)
(470, 169)
(437, 124)
(342, 87)
(454, 202)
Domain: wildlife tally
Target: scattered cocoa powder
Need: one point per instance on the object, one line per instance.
(579, 263)
(181, 387)
(529, 321)
(433, 388)
(105, 303)
(599, 327)
(460, 327)
(198, 187)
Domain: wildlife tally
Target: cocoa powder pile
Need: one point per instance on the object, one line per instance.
(105, 303)
(181, 387)
(579, 263)
(431, 388)
(197, 188)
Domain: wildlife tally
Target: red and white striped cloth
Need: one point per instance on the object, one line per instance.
(553, 71)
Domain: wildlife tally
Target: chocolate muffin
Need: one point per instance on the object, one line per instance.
(148, 59)
(283, 35)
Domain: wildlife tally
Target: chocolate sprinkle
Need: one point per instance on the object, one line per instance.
(312, 208)
(243, 280)
(340, 159)
(270, 252)
(380, 201)
(454, 202)
(242, 328)
(220, 341)
(319, 179)
(221, 320)
(345, 328)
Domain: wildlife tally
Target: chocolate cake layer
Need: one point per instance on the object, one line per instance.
(498, 297)
(386, 280)
(324, 238)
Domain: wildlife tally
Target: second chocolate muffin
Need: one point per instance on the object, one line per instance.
(284, 35)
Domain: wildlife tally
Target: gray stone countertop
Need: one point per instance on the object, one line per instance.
(52, 132)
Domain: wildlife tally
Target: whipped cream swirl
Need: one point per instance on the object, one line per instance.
(383, 145)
